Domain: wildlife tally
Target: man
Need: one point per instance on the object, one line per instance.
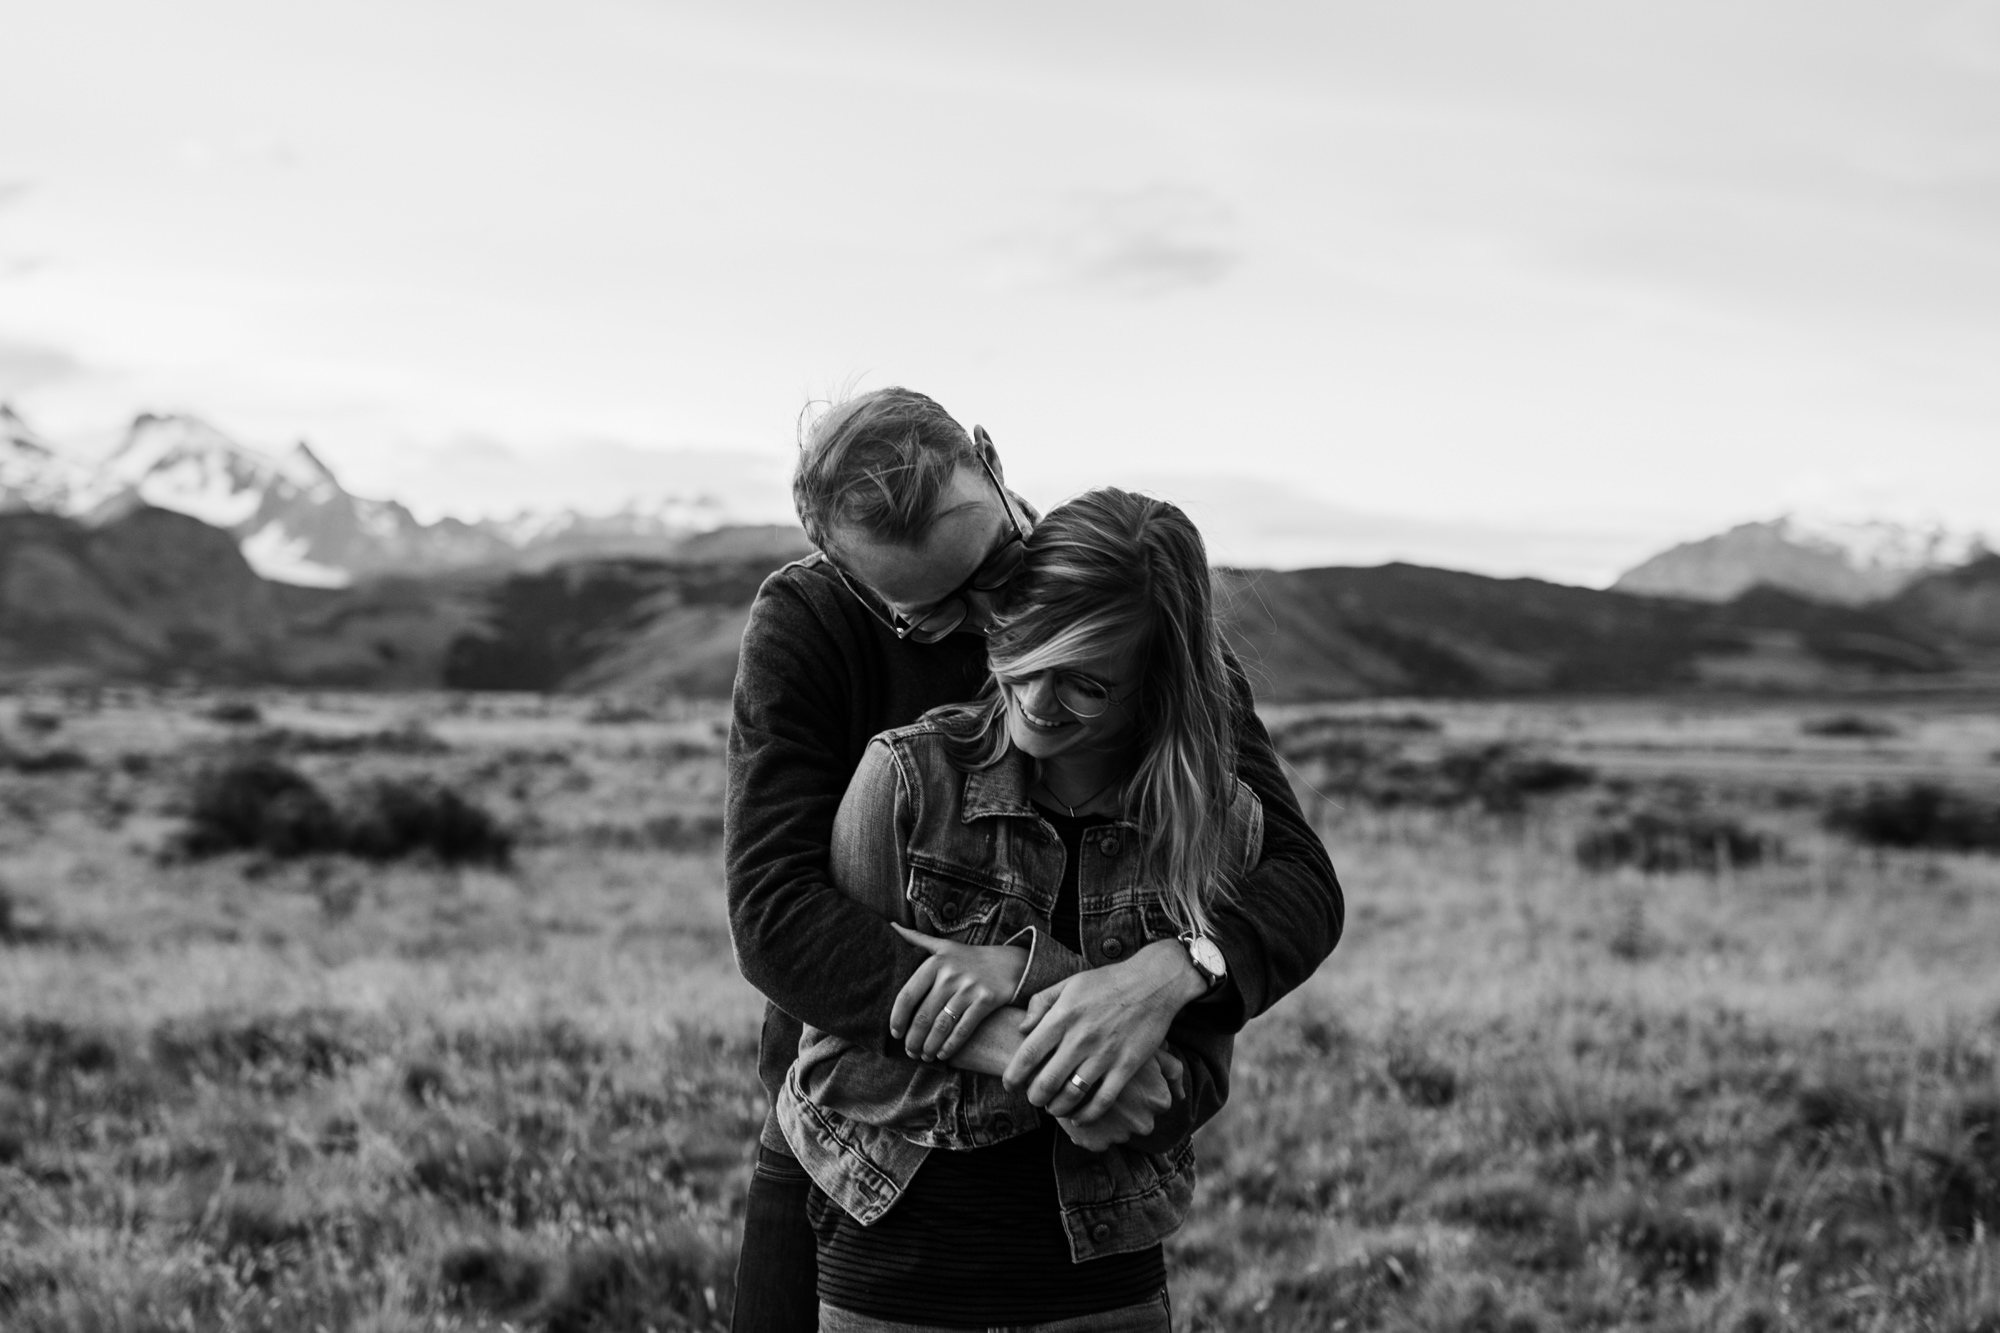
(917, 536)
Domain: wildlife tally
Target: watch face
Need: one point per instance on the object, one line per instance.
(1207, 957)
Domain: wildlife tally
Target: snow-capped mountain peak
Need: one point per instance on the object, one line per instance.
(185, 464)
(1885, 545)
(32, 474)
(293, 520)
(1829, 559)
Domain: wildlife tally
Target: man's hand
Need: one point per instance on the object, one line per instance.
(1157, 1085)
(1096, 1028)
(952, 992)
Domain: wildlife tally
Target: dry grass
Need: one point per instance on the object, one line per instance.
(267, 1093)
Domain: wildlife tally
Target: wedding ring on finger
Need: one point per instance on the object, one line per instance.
(1078, 1084)
(946, 1013)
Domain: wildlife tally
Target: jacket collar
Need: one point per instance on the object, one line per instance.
(1000, 789)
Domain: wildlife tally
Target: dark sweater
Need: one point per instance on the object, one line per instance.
(818, 677)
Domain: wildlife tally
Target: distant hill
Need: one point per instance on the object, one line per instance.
(1406, 629)
(294, 521)
(1963, 603)
(149, 595)
(1849, 563)
(153, 595)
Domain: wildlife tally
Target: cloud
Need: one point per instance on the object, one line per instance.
(1137, 243)
(480, 476)
(25, 366)
(1257, 523)
(13, 192)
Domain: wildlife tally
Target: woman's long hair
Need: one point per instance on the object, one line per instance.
(1107, 569)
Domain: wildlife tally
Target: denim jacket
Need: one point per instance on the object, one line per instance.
(965, 856)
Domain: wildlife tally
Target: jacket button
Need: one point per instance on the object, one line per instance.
(1114, 947)
(1108, 845)
(1101, 1232)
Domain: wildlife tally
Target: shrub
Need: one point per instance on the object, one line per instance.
(392, 819)
(1422, 1079)
(671, 832)
(1499, 777)
(1917, 814)
(669, 1280)
(234, 712)
(1856, 725)
(486, 1277)
(1671, 839)
(60, 759)
(410, 738)
(255, 803)
(36, 722)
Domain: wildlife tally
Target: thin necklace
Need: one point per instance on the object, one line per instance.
(1072, 809)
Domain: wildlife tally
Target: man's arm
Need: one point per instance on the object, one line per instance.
(1287, 915)
(817, 954)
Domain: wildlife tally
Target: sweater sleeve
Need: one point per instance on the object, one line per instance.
(1287, 916)
(816, 953)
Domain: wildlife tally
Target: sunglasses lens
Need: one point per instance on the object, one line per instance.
(938, 622)
(1000, 567)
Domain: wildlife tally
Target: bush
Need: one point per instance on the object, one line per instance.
(1498, 778)
(39, 723)
(1917, 814)
(1666, 840)
(1855, 725)
(671, 832)
(410, 738)
(392, 819)
(234, 712)
(37, 762)
(257, 803)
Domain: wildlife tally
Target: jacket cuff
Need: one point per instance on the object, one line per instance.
(1049, 961)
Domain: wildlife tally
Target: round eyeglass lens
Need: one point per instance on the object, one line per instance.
(1082, 696)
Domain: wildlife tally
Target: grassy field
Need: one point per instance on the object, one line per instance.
(261, 1091)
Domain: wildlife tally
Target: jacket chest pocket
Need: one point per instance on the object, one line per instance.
(955, 909)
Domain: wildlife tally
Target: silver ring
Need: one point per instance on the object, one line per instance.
(947, 1013)
(1078, 1084)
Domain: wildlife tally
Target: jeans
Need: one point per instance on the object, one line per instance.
(1154, 1316)
(777, 1270)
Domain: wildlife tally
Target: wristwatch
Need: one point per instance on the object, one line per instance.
(1207, 959)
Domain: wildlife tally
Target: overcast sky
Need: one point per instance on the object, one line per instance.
(1517, 287)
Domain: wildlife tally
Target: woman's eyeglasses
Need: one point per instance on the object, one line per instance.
(949, 612)
(1081, 695)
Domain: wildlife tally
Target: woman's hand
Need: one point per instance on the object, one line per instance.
(952, 992)
(1156, 1086)
(1094, 1030)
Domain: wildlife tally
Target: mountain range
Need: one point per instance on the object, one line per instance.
(295, 522)
(185, 556)
(1847, 562)
(150, 595)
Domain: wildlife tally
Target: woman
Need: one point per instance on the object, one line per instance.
(1081, 808)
